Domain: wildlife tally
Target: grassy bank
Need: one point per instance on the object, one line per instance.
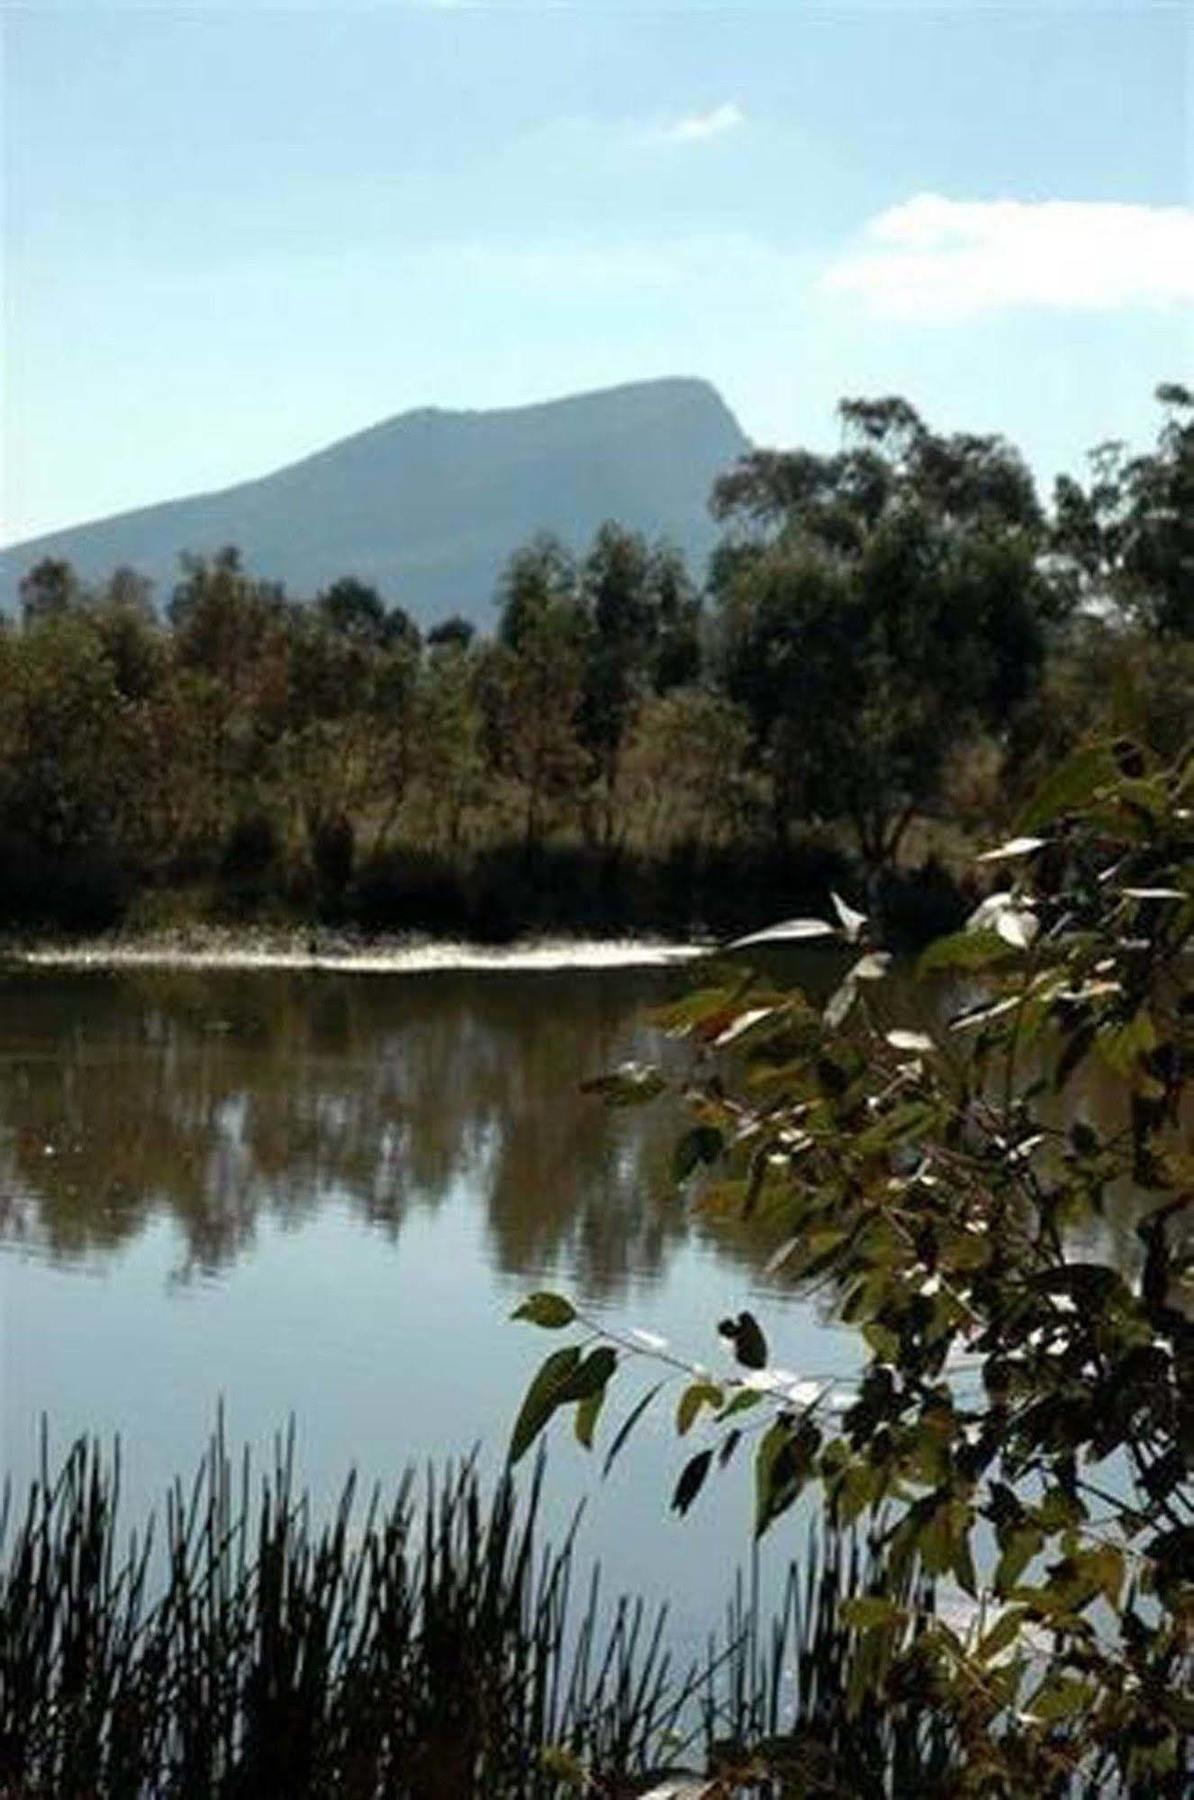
(495, 896)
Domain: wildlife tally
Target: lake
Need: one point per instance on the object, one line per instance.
(318, 1194)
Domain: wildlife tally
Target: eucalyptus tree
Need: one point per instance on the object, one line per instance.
(1125, 540)
(536, 681)
(876, 607)
(51, 587)
(1018, 1267)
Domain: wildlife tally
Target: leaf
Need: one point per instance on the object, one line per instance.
(1002, 1634)
(864, 1611)
(963, 950)
(703, 1144)
(590, 1376)
(729, 1444)
(750, 1346)
(628, 1425)
(790, 931)
(692, 1480)
(586, 1417)
(782, 1463)
(837, 1009)
(564, 1766)
(871, 967)
(1068, 786)
(700, 1393)
(852, 922)
(1017, 926)
(542, 1398)
(1060, 1697)
(681, 1787)
(742, 1401)
(916, 1041)
(1018, 1552)
(779, 1257)
(742, 1024)
(549, 1310)
(1017, 846)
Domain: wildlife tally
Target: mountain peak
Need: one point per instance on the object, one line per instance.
(428, 504)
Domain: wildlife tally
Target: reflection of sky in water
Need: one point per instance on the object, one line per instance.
(322, 1195)
(326, 1207)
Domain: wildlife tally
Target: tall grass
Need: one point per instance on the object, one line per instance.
(426, 1646)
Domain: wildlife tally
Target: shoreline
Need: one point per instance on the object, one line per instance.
(341, 953)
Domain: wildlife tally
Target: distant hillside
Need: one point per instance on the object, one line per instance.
(427, 506)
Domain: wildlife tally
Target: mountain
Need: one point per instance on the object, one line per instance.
(427, 506)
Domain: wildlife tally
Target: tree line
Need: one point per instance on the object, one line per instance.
(890, 644)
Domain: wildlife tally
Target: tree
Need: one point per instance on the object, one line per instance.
(536, 693)
(876, 606)
(1125, 542)
(72, 747)
(353, 610)
(50, 589)
(453, 630)
(449, 733)
(643, 619)
(1024, 1420)
(681, 777)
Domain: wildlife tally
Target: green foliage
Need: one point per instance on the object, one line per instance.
(879, 606)
(1024, 1416)
(893, 646)
(1126, 540)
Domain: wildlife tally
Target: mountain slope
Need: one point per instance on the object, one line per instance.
(427, 506)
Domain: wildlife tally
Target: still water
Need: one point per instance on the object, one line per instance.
(318, 1195)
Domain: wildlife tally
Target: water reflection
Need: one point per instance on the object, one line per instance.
(220, 1099)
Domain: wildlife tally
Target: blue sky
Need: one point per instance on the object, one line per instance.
(237, 231)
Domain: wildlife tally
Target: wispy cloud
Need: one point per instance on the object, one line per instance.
(696, 127)
(936, 259)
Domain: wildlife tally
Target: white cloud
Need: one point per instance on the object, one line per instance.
(936, 259)
(698, 126)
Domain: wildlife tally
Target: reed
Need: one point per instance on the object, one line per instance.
(425, 1646)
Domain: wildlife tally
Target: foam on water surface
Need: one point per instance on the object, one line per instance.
(397, 958)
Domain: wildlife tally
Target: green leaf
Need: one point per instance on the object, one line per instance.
(700, 1393)
(1018, 1552)
(864, 1611)
(549, 1310)
(1060, 1697)
(590, 1376)
(542, 1398)
(586, 1416)
(692, 1480)
(1004, 1632)
(628, 1425)
(782, 1464)
(560, 1763)
(963, 950)
(1068, 787)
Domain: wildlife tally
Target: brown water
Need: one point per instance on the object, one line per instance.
(319, 1195)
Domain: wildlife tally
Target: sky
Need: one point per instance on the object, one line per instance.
(235, 231)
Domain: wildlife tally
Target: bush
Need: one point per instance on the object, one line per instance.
(1026, 1406)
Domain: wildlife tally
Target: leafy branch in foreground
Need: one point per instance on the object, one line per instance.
(1000, 1206)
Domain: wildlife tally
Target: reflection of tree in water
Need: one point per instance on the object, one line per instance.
(217, 1098)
